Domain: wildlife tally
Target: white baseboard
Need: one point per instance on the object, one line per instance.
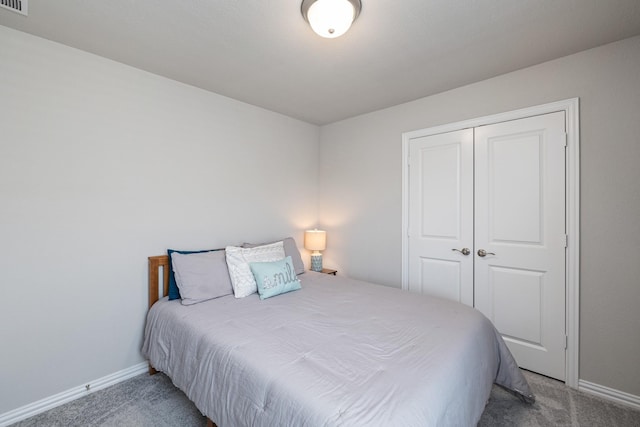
(614, 395)
(74, 393)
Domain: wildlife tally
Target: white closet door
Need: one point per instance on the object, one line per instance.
(519, 223)
(441, 215)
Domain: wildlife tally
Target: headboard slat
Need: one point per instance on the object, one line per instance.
(155, 262)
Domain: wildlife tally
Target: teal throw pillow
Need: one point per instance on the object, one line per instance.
(275, 278)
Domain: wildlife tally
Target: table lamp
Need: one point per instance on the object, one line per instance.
(316, 241)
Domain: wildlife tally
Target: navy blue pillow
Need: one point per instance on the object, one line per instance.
(174, 292)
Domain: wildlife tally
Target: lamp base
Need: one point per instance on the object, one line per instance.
(316, 262)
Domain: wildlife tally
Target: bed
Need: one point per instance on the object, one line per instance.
(337, 352)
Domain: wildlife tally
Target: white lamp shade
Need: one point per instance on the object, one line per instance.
(315, 240)
(331, 18)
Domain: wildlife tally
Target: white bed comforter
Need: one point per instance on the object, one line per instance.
(338, 352)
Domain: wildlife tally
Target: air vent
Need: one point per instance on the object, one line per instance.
(19, 6)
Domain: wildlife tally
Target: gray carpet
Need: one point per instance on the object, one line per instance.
(154, 401)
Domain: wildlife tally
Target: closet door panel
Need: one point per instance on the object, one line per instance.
(441, 215)
(520, 237)
(514, 189)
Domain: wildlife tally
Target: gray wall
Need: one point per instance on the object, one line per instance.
(360, 190)
(103, 165)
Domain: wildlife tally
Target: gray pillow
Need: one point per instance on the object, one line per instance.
(201, 276)
(290, 249)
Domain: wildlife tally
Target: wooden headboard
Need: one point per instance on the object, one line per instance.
(155, 262)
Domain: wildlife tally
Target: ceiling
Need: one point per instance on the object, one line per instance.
(262, 51)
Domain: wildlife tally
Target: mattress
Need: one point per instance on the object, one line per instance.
(338, 352)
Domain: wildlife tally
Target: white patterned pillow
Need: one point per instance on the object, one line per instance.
(238, 260)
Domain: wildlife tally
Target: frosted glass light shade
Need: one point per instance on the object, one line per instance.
(330, 18)
(315, 240)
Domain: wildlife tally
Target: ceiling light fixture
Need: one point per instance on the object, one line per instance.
(330, 18)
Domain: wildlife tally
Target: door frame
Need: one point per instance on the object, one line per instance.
(572, 210)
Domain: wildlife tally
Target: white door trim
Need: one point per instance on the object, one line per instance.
(571, 109)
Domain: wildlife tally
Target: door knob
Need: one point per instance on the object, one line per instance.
(464, 251)
(483, 253)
